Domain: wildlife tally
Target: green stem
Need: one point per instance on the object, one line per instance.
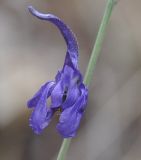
(64, 148)
(91, 66)
(98, 43)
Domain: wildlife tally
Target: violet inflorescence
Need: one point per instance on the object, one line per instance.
(67, 92)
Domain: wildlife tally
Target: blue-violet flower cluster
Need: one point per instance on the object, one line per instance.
(67, 92)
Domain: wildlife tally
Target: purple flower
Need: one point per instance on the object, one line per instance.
(67, 92)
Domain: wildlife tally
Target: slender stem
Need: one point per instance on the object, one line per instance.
(98, 43)
(91, 66)
(64, 148)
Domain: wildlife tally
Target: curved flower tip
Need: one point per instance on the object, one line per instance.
(72, 46)
(67, 92)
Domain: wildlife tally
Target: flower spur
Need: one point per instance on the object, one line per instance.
(67, 92)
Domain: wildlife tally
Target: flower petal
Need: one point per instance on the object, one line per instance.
(42, 114)
(69, 122)
(72, 96)
(40, 118)
(70, 118)
(35, 99)
(57, 95)
(58, 76)
(67, 75)
(66, 90)
(72, 46)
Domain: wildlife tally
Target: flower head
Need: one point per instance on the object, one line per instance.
(67, 92)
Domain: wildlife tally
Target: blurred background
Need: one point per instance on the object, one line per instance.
(32, 51)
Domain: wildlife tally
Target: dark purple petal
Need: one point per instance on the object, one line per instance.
(67, 75)
(69, 122)
(66, 89)
(83, 99)
(72, 95)
(70, 118)
(34, 100)
(72, 46)
(40, 118)
(58, 76)
(42, 114)
(71, 76)
(57, 95)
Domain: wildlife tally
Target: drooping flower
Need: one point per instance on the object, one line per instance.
(67, 92)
